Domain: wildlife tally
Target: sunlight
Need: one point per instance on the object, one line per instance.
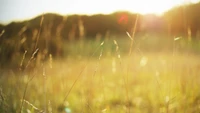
(157, 7)
(88, 7)
(38, 7)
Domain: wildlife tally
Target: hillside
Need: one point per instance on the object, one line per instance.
(49, 31)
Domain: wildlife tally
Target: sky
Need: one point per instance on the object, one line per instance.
(17, 10)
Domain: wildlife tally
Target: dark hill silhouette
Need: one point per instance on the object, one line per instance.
(1, 26)
(48, 31)
(92, 25)
(183, 19)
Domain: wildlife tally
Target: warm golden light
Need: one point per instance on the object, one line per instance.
(153, 6)
(23, 9)
(157, 7)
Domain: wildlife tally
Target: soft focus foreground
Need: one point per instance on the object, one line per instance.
(157, 75)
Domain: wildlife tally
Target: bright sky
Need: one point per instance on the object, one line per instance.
(14, 10)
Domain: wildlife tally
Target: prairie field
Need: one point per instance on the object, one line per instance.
(154, 75)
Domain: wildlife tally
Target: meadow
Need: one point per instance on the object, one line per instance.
(155, 75)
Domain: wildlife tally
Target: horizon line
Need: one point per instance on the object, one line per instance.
(71, 14)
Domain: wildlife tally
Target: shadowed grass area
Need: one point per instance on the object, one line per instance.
(162, 77)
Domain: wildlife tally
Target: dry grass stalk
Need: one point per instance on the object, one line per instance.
(38, 34)
(133, 34)
(22, 61)
(2, 32)
(77, 78)
(34, 107)
(32, 57)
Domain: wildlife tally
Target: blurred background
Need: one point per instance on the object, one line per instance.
(117, 46)
(54, 24)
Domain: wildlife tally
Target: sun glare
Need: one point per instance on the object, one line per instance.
(157, 7)
(89, 7)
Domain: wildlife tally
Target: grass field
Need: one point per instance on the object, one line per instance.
(159, 76)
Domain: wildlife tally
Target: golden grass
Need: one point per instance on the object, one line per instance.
(152, 87)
